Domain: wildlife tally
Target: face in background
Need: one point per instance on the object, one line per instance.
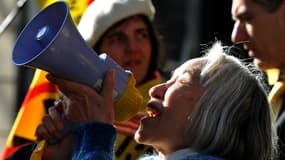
(169, 109)
(129, 45)
(264, 31)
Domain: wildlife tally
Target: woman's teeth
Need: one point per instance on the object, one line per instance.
(152, 114)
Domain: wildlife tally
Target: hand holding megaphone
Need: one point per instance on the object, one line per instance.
(51, 42)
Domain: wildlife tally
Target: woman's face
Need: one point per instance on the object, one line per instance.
(129, 45)
(169, 109)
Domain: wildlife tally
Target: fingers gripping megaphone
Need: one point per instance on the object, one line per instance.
(51, 42)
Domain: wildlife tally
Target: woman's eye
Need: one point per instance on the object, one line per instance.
(116, 38)
(143, 34)
(183, 81)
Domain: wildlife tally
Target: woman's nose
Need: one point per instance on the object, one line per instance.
(239, 33)
(131, 45)
(158, 91)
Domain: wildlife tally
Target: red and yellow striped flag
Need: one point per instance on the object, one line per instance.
(40, 96)
(30, 113)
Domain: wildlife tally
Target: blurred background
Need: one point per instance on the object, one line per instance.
(186, 25)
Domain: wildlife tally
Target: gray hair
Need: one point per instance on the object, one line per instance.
(233, 118)
(269, 5)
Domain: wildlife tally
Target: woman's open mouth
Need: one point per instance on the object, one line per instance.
(152, 111)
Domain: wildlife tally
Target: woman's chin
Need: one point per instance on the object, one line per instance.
(261, 64)
(141, 135)
(146, 131)
(138, 135)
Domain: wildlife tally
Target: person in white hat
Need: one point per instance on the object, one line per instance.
(124, 30)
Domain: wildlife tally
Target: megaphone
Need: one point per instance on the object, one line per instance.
(51, 42)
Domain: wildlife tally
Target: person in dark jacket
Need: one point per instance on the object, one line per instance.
(260, 27)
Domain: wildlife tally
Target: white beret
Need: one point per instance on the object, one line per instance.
(102, 14)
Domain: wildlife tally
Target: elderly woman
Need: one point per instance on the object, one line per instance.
(213, 107)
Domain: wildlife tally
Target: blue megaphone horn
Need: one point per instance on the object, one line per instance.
(51, 42)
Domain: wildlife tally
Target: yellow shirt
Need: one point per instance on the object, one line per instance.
(275, 97)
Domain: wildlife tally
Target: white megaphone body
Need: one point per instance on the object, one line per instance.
(51, 42)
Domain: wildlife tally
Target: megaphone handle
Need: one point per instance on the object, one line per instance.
(67, 129)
